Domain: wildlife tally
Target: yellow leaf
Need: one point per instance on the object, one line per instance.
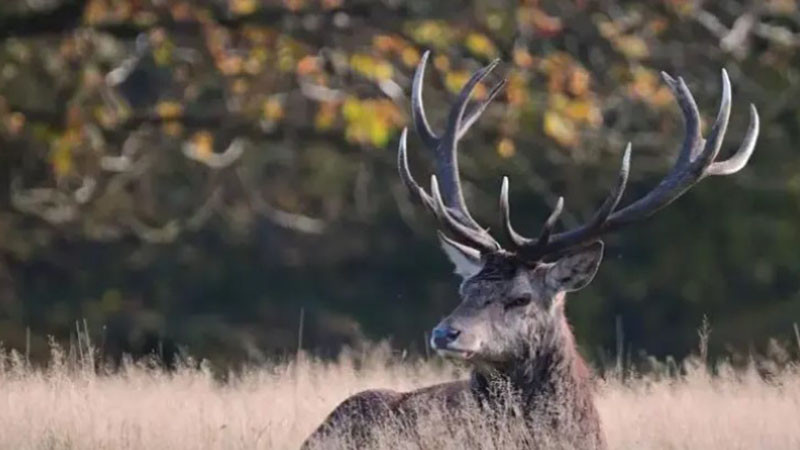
(433, 32)
(480, 45)
(578, 82)
(371, 67)
(378, 132)
(441, 62)
(241, 7)
(172, 128)
(368, 121)
(203, 142)
(517, 90)
(273, 109)
(162, 54)
(560, 129)
(585, 111)
(61, 158)
(352, 109)
(506, 148)
(632, 47)
(646, 86)
(522, 57)
(169, 109)
(410, 56)
(455, 80)
(383, 71)
(231, 64)
(326, 116)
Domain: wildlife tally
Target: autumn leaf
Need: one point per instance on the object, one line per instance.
(578, 81)
(517, 89)
(633, 47)
(386, 43)
(522, 57)
(308, 65)
(410, 56)
(646, 85)
(169, 110)
(272, 109)
(326, 116)
(480, 45)
(583, 111)
(560, 129)
(371, 67)
(172, 128)
(203, 142)
(541, 22)
(457, 79)
(435, 33)
(242, 7)
(506, 148)
(61, 157)
(370, 121)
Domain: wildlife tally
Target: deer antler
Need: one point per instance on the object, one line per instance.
(447, 203)
(695, 161)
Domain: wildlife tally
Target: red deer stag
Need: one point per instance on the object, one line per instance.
(510, 326)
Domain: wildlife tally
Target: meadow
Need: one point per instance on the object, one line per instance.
(70, 405)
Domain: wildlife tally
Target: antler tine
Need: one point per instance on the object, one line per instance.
(714, 141)
(475, 237)
(550, 224)
(615, 195)
(447, 150)
(418, 109)
(682, 177)
(691, 117)
(478, 110)
(695, 161)
(739, 159)
(544, 245)
(454, 122)
(448, 203)
(416, 191)
(516, 239)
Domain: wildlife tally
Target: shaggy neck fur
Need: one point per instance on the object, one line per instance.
(549, 384)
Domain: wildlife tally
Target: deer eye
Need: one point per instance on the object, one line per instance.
(520, 300)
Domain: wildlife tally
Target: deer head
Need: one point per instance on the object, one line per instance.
(512, 299)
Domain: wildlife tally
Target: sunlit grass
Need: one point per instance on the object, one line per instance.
(69, 405)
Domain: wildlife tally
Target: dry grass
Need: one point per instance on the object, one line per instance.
(67, 406)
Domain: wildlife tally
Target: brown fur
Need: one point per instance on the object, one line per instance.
(551, 386)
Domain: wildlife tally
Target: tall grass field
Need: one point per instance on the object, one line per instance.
(71, 405)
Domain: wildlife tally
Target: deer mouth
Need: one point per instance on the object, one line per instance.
(455, 353)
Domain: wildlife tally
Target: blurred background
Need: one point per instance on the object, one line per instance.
(219, 175)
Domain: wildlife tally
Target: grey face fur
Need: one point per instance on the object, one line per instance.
(509, 307)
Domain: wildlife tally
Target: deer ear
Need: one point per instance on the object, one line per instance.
(576, 269)
(467, 260)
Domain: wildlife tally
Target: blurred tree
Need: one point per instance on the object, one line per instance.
(203, 170)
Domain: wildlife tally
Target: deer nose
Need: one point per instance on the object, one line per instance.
(443, 336)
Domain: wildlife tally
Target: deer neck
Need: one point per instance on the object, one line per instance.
(549, 371)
